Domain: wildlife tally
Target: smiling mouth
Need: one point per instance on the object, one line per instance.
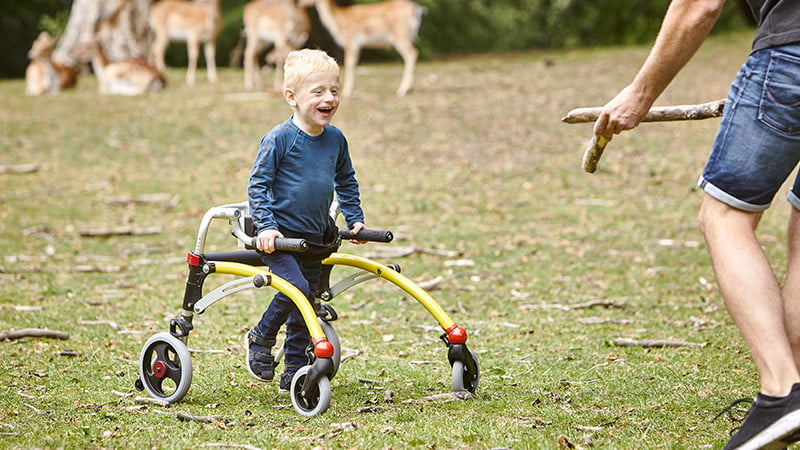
(325, 109)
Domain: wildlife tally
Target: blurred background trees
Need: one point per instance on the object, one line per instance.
(449, 27)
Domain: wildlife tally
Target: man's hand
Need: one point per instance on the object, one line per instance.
(623, 112)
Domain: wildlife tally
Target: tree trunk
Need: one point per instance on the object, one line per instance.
(119, 26)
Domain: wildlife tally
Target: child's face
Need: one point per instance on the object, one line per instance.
(314, 101)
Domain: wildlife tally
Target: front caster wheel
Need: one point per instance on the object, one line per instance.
(464, 377)
(316, 399)
(165, 368)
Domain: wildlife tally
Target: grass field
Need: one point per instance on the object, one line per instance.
(552, 263)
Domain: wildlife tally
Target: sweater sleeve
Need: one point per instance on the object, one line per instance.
(259, 188)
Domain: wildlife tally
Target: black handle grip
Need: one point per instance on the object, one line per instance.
(285, 244)
(368, 235)
(291, 244)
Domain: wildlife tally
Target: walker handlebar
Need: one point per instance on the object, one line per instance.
(368, 235)
(283, 244)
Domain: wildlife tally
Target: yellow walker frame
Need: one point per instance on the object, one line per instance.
(165, 367)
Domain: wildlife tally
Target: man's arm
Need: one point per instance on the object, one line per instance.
(685, 27)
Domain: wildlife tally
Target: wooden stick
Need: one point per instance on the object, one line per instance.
(33, 332)
(593, 151)
(708, 110)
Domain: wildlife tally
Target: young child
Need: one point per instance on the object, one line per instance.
(299, 166)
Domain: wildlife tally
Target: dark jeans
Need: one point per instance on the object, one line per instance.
(304, 273)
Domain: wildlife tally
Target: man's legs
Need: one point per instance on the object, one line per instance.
(751, 292)
(791, 287)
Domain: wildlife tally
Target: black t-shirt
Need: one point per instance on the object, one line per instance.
(778, 22)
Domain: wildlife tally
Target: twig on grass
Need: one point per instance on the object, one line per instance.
(244, 446)
(430, 284)
(398, 251)
(19, 168)
(152, 401)
(655, 343)
(122, 394)
(99, 322)
(449, 396)
(201, 419)
(87, 268)
(36, 410)
(33, 332)
(588, 305)
(603, 320)
(169, 201)
(97, 231)
(371, 409)
(136, 408)
(217, 420)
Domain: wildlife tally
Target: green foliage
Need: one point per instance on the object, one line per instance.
(467, 26)
(54, 24)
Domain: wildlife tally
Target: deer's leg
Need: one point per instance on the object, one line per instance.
(351, 54)
(278, 56)
(409, 54)
(211, 63)
(191, 47)
(159, 47)
(252, 73)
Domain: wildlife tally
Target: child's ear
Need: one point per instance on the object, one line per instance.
(288, 95)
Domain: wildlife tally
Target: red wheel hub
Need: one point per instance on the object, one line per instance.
(159, 369)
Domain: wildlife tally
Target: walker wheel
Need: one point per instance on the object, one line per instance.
(316, 401)
(165, 367)
(465, 379)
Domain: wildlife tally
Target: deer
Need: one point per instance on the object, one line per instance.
(43, 75)
(132, 76)
(280, 22)
(391, 22)
(191, 21)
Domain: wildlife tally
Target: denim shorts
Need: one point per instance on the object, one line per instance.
(758, 142)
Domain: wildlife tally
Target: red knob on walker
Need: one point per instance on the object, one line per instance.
(456, 335)
(323, 349)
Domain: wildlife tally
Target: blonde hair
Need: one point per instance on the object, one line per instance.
(302, 63)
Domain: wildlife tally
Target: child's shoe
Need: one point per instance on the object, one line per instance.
(260, 362)
(285, 385)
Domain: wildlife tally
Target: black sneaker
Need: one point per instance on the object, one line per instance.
(285, 384)
(260, 362)
(772, 423)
